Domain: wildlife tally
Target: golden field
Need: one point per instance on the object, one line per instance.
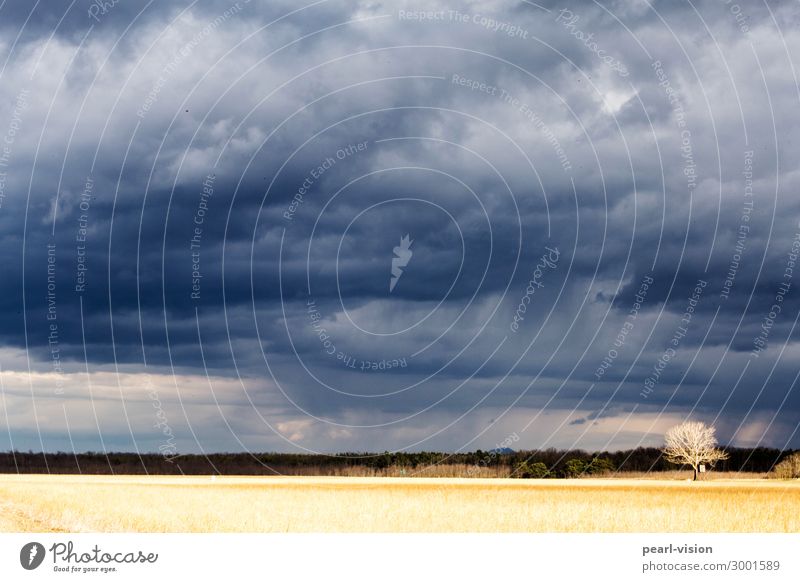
(58, 503)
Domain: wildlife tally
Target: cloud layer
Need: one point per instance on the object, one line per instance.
(204, 205)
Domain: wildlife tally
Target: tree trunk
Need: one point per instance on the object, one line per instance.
(695, 474)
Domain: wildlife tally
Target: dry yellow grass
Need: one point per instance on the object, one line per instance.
(342, 504)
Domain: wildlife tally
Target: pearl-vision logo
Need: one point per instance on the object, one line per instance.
(31, 555)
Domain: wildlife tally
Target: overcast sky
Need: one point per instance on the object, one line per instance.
(379, 225)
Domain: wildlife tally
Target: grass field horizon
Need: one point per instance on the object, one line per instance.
(81, 503)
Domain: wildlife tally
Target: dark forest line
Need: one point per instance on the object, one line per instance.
(550, 463)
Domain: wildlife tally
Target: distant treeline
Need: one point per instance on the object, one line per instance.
(550, 462)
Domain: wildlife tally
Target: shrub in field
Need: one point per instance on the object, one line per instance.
(789, 468)
(539, 471)
(574, 468)
(527, 470)
(600, 466)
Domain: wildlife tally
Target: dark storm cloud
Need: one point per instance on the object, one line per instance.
(233, 188)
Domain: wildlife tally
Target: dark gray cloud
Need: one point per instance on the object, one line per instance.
(222, 187)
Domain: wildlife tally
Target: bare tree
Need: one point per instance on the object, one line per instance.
(694, 444)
